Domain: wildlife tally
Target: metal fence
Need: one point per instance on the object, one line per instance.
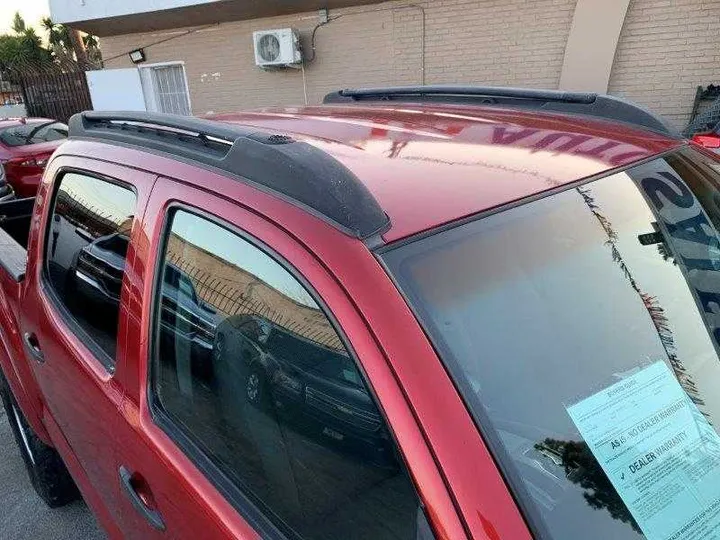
(229, 299)
(54, 89)
(86, 216)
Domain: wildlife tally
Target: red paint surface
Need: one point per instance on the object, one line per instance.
(429, 165)
(426, 167)
(708, 140)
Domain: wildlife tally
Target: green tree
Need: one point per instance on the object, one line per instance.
(66, 43)
(93, 49)
(22, 45)
(58, 35)
(18, 24)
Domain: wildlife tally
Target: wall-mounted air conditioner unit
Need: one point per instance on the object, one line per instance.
(277, 48)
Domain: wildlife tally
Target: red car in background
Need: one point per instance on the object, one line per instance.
(26, 144)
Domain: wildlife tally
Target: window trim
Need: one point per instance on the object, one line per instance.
(46, 286)
(255, 514)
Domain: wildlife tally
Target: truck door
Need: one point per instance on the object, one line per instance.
(249, 416)
(71, 313)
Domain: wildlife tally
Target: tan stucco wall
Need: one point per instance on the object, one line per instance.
(666, 48)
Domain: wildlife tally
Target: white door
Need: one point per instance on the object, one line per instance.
(116, 90)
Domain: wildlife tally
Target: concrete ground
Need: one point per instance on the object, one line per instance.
(23, 516)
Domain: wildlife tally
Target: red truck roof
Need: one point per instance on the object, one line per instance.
(431, 164)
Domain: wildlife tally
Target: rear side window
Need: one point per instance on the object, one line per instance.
(583, 331)
(251, 370)
(86, 245)
(33, 133)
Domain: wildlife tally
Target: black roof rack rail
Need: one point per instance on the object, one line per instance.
(294, 170)
(585, 103)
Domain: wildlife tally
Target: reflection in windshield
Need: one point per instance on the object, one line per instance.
(582, 468)
(536, 308)
(651, 303)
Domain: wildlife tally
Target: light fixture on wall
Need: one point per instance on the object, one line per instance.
(137, 56)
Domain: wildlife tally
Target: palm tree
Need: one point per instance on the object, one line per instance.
(66, 42)
(58, 35)
(22, 46)
(583, 469)
(92, 47)
(18, 24)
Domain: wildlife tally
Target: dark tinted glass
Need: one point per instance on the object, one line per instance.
(582, 330)
(33, 133)
(87, 240)
(251, 369)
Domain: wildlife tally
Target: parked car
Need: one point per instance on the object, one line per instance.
(95, 279)
(97, 271)
(709, 139)
(516, 290)
(311, 385)
(26, 144)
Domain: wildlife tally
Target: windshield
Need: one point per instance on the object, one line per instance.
(582, 330)
(33, 132)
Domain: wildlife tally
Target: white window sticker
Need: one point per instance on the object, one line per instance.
(659, 451)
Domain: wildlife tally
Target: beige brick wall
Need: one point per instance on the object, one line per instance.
(667, 48)
(504, 42)
(497, 42)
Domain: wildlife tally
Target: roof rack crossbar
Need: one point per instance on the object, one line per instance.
(583, 103)
(294, 170)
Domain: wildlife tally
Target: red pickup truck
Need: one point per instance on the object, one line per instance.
(385, 317)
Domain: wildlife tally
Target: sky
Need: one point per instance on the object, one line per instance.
(31, 10)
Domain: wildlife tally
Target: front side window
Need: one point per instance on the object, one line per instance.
(252, 371)
(582, 330)
(85, 248)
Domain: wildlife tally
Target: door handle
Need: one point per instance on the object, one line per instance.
(33, 346)
(134, 487)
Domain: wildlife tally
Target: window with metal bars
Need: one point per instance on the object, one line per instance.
(170, 89)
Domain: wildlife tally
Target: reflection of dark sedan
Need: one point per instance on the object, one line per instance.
(96, 276)
(98, 269)
(187, 320)
(302, 380)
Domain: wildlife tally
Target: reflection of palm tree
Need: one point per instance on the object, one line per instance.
(665, 253)
(656, 312)
(395, 148)
(583, 469)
